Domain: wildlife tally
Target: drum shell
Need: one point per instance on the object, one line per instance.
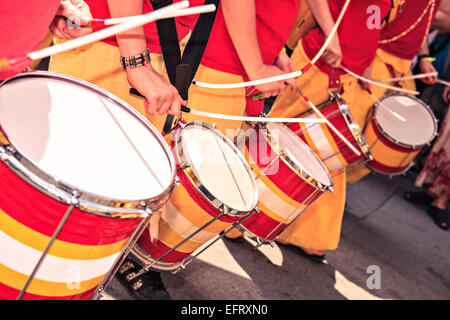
(388, 157)
(87, 246)
(284, 195)
(337, 154)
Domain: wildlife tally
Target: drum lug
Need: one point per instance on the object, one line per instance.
(177, 181)
(74, 201)
(214, 125)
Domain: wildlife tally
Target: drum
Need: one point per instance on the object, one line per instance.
(80, 173)
(399, 128)
(217, 189)
(290, 178)
(334, 152)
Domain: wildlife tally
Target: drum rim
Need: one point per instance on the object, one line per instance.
(63, 191)
(355, 129)
(143, 258)
(279, 150)
(184, 165)
(392, 139)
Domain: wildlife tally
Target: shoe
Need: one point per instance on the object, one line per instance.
(303, 253)
(421, 198)
(147, 286)
(439, 216)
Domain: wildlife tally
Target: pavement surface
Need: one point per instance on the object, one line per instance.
(389, 249)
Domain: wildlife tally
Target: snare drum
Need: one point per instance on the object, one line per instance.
(326, 144)
(80, 168)
(399, 128)
(217, 189)
(290, 178)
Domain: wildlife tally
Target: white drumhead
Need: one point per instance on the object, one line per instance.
(299, 152)
(406, 119)
(71, 133)
(219, 168)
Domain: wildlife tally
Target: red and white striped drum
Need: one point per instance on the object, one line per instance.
(399, 128)
(217, 189)
(326, 144)
(290, 178)
(74, 190)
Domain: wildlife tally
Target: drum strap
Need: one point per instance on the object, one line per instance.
(182, 69)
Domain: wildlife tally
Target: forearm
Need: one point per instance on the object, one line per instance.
(322, 14)
(240, 19)
(133, 41)
(424, 51)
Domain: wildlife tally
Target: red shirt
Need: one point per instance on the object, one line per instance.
(274, 21)
(358, 42)
(23, 27)
(100, 10)
(406, 47)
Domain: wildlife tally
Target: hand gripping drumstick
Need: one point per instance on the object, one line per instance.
(162, 13)
(238, 118)
(284, 76)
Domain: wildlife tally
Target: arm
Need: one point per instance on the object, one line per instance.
(426, 66)
(161, 96)
(442, 19)
(321, 12)
(240, 19)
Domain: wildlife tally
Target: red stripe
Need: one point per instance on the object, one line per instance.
(381, 168)
(283, 177)
(8, 293)
(41, 213)
(262, 225)
(158, 249)
(388, 142)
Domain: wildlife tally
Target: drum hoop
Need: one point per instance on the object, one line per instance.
(184, 164)
(279, 151)
(395, 141)
(143, 258)
(64, 192)
(354, 128)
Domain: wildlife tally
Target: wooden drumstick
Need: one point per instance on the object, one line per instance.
(395, 114)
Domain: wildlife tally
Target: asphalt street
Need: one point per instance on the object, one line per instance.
(389, 249)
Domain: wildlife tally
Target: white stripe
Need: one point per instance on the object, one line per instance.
(23, 259)
(274, 203)
(323, 147)
(183, 226)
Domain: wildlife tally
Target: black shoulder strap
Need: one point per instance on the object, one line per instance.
(181, 70)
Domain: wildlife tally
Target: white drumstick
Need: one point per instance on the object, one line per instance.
(379, 84)
(286, 76)
(395, 114)
(332, 127)
(418, 76)
(445, 83)
(177, 13)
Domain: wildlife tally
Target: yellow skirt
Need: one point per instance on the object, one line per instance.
(365, 102)
(319, 227)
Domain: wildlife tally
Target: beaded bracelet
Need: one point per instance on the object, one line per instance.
(131, 62)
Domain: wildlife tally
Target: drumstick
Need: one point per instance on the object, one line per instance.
(102, 34)
(286, 76)
(112, 21)
(331, 126)
(417, 76)
(445, 83)
(379, 84)
(238, 118)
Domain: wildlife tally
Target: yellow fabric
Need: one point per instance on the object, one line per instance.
(305, 22)
(365, 101)
(47, 42)
(319, 226)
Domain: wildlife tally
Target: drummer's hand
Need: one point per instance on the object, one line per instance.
(426, 66)
(160, 96)
(271, 89)
(285, 63)
(446, 95)
(368, 75)
(333, 54)
(76, 11)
